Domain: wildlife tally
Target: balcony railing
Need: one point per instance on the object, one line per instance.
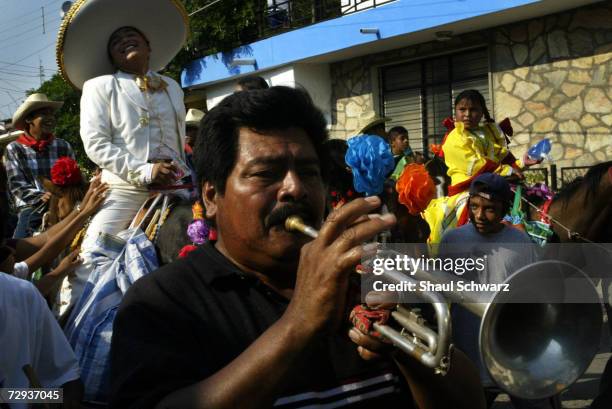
(284, 15)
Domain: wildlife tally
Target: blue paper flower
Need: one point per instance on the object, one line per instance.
(371, 161)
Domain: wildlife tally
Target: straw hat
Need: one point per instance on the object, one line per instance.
(370, 120)
(33, 103)
(194, 117)
(82, 40)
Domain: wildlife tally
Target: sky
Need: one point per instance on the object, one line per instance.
(24, 47)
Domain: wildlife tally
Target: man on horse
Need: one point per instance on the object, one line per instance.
(132, 119)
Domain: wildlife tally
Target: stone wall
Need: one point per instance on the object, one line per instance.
(551, 76)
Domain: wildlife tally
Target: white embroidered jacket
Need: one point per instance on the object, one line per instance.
(115, 126)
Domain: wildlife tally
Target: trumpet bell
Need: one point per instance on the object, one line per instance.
(536, 350)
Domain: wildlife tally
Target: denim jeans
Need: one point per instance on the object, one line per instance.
(28, 222)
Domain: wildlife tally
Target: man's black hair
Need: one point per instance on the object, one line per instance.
(275, 108)
(252, 82)
(399, 130)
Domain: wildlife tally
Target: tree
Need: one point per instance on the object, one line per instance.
(220, 27)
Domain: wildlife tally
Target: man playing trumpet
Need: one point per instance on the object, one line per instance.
(260, 317)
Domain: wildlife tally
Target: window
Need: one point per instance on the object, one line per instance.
(419, 95)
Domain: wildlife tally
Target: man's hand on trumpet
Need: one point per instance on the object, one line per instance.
(319, 300)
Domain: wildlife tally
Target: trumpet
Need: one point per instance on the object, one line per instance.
(550, 361)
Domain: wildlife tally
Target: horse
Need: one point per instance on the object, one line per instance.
(582, 210)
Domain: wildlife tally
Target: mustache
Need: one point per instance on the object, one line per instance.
(278, 216)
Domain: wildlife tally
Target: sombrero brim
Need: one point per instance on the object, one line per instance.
(22, 112)
(373, 123)
(83, 36)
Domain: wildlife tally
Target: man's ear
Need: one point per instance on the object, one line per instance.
(209, 197)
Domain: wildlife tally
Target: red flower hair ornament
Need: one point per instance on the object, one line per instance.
(66, 172)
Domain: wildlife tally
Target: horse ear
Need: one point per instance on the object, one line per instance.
(48, 185)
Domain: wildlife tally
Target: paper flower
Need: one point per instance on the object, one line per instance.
(198, 210)
(371, 161)
(415, 188)
(448, 123)
(65, 172)
(198, 231)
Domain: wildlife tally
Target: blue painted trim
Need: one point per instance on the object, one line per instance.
(398, 18)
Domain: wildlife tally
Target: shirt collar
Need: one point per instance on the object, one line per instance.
(223, 268)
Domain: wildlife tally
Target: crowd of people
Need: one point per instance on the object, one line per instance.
(257, 317)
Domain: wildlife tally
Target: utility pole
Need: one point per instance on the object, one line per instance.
(41, 72)
(42, 10)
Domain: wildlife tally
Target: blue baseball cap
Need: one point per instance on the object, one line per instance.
(491, 186)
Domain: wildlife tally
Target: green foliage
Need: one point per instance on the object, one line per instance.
(67, 126)
(221, 27)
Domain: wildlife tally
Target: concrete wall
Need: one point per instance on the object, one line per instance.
(315, 78)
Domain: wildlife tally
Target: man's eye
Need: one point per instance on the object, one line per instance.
(266, 174)
(310, 172)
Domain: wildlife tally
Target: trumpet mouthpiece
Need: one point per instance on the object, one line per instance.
(295, 223)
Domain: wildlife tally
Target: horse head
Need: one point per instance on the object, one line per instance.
(584, 206)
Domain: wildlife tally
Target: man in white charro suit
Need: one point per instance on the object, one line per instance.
(132, 119)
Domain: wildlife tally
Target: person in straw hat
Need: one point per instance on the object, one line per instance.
(132, 119)
(192, 121)
(373, 124)
(31, 157)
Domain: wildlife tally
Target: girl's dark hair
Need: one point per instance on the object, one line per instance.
(262, 110)
(475, 96)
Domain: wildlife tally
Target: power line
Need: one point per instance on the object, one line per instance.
(35, 28)
(27, 66)
(29, 75)
(204, 7)
(14, 90)
(21, 24)
(10, 85)
(30, 12)
(29, 55)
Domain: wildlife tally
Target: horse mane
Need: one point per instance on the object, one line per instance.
(591, 179)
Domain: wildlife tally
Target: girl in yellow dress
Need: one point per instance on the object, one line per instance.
(470, 149)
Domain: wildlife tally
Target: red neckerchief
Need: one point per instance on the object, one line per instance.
(37, 145)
